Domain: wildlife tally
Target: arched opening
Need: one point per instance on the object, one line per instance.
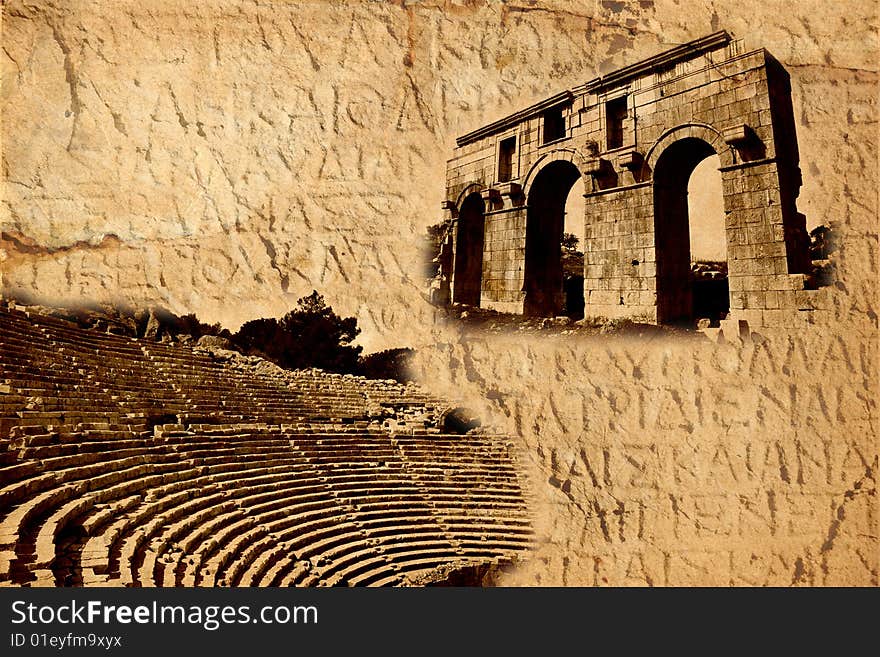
(690, 238)
(468, 274)
(545, 225)
(708, 238)
(573, 251)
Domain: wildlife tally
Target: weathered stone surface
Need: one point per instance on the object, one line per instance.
(664, 462)
(214, 342)
(226, 159)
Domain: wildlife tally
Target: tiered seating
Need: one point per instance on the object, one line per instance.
(126, 462)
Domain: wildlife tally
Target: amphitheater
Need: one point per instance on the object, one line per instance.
(126, 462)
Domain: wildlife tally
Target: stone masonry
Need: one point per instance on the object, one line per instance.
(635, 136)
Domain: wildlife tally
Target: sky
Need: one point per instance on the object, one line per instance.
(705, 212)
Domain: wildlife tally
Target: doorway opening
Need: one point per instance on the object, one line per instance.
(547, 218)
(691, 247)
(573, 252)
(708, 241)
(468, 271)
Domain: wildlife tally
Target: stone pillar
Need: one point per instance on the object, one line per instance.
(756, 244)
(620, 262)
(504, 249)
(441, 291)
(504, 259)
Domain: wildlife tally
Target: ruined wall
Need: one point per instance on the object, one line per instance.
(713, 98)
(226, 158)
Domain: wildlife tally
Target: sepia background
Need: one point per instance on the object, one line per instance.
(226, 158)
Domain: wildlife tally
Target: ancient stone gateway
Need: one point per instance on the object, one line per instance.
(634, 137)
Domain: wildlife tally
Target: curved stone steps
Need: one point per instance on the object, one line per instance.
(230, 485)
(124, 480)
(266, 524)
(300, 574)
(279, 570)
(246, 478)
(264, 549)
(259, 567)
(359, 563)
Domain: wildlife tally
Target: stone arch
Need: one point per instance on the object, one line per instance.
(558, 154)
(678, 295)
(701, 131)
(547, 189)
(471, 188)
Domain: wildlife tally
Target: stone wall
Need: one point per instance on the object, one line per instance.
(669, 463)
(614, 287)
(226, 158)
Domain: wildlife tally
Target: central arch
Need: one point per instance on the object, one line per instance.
(545, 221)
(677, 282)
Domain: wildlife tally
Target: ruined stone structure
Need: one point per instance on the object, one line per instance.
(635, 136)
(133, 463)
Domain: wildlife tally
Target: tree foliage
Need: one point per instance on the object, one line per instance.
(388, 364)
(188, 325)
(570, 242)
(311, 335)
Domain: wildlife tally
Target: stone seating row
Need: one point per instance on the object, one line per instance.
(226, 509)
(130, 463)
(46, 355)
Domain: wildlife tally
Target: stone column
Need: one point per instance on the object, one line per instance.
(756, 243)
(504, 250)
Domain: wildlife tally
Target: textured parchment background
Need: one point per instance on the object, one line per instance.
(227, 157)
